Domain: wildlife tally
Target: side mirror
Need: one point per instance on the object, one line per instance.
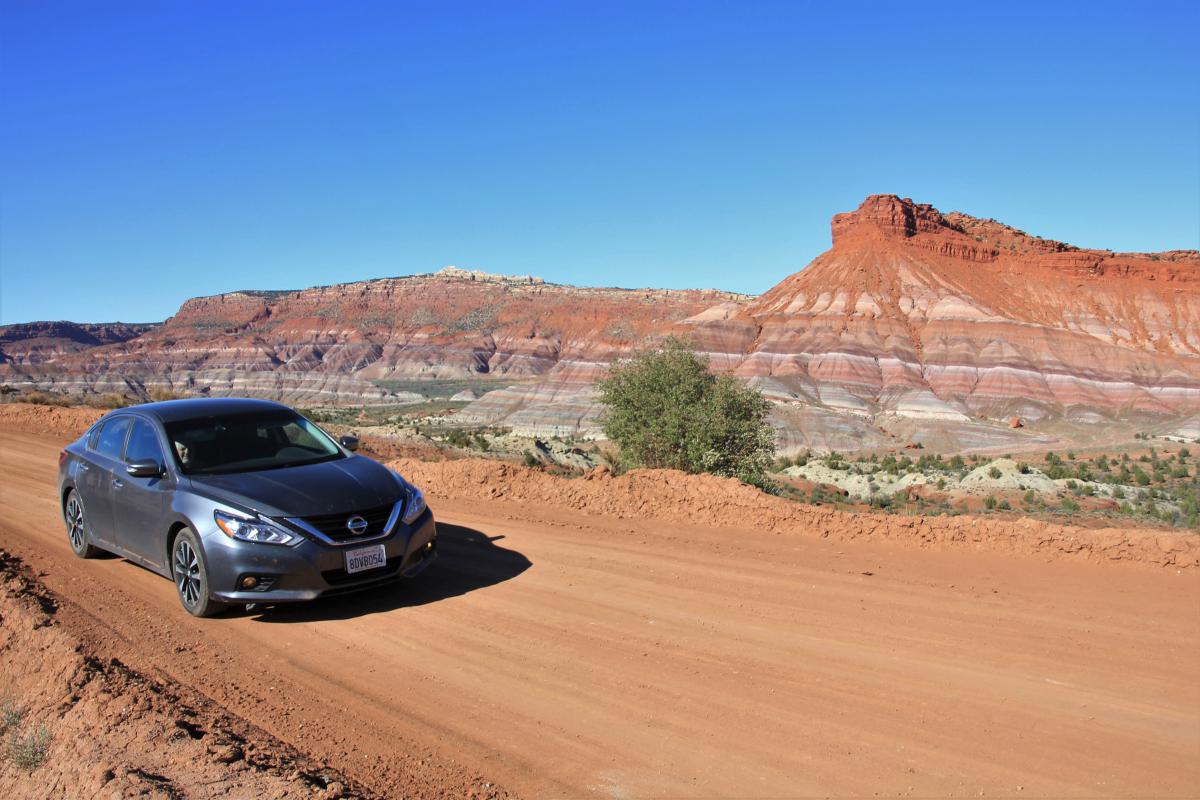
(146, 468)
(349, 442)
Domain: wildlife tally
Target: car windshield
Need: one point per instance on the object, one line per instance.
(248, 442)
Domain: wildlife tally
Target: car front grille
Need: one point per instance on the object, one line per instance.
(334, 525)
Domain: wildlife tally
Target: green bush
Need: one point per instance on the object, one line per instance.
(994, 472)
(531, 460)
(989, 502)
(666, 409)
(458, 438)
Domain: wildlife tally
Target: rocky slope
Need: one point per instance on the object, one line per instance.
(914, 326)
(917, 315)
(39, 342)
(942, 329)
(346, 343)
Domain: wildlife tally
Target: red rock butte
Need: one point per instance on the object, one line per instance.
(915, 325)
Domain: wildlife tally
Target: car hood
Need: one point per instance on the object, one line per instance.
(330, 487)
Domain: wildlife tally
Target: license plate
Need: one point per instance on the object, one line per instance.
(365, 558)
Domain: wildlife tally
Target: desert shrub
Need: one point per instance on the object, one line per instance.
(1057, 471)
(480, 442)
(989, 502)
(46, 399)
(957, 462)
(458, 438)
(10, 713)
(530, 460)
(1069, 505)
(1023, 468)
(941, 483)
(666, 409)
(1183, 455)
(1030, 498)
(835, 461)
(159, 394)
(27, 751)
(1005, 505)
(1141, 477)
(994, 472)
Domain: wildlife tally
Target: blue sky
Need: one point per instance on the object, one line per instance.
(154, 151)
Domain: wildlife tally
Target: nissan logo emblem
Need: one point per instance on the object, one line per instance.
(356, 525)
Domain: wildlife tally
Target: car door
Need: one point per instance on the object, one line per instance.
(103, 460)
(139, 503)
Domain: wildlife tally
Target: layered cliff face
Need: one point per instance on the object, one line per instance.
(349, 342)
(924, 316)
(915, 325)
(919, 326)
(39, 342)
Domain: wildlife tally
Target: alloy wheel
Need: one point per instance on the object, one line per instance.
(187, 572)
(76, 527)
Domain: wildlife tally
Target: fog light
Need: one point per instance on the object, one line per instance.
(429, 547)
(249, 582)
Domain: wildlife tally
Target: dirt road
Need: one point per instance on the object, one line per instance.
(566, 655)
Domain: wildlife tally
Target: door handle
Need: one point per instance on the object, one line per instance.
(84, 466)
(118, 483)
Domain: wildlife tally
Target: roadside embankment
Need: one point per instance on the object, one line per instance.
(724, 502)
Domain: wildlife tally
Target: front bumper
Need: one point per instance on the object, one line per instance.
(312, 569)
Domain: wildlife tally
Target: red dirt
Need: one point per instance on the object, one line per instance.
(58, 421)
(117, 733)
(576, 653)
(727, 503)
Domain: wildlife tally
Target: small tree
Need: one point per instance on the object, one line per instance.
(665, 409)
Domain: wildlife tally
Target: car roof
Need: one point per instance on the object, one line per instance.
(192, 408)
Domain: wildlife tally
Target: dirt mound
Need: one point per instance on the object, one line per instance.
(76, 726)
(56, 420)
(707, 500)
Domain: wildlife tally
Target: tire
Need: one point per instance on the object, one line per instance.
(191, 576)
(79, 533)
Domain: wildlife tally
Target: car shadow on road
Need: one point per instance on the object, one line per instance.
(468, 559)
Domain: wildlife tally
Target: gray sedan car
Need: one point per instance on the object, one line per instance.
(240, 501)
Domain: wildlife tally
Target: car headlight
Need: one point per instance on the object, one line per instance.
(415, 506)
(249, 530)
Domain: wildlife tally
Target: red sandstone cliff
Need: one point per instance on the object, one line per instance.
(913, 318)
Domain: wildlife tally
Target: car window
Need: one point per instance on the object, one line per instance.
(112, 437)
(248, 441)
(143, 444)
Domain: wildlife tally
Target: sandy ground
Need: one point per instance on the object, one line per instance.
(111, 732)
(561, 653)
